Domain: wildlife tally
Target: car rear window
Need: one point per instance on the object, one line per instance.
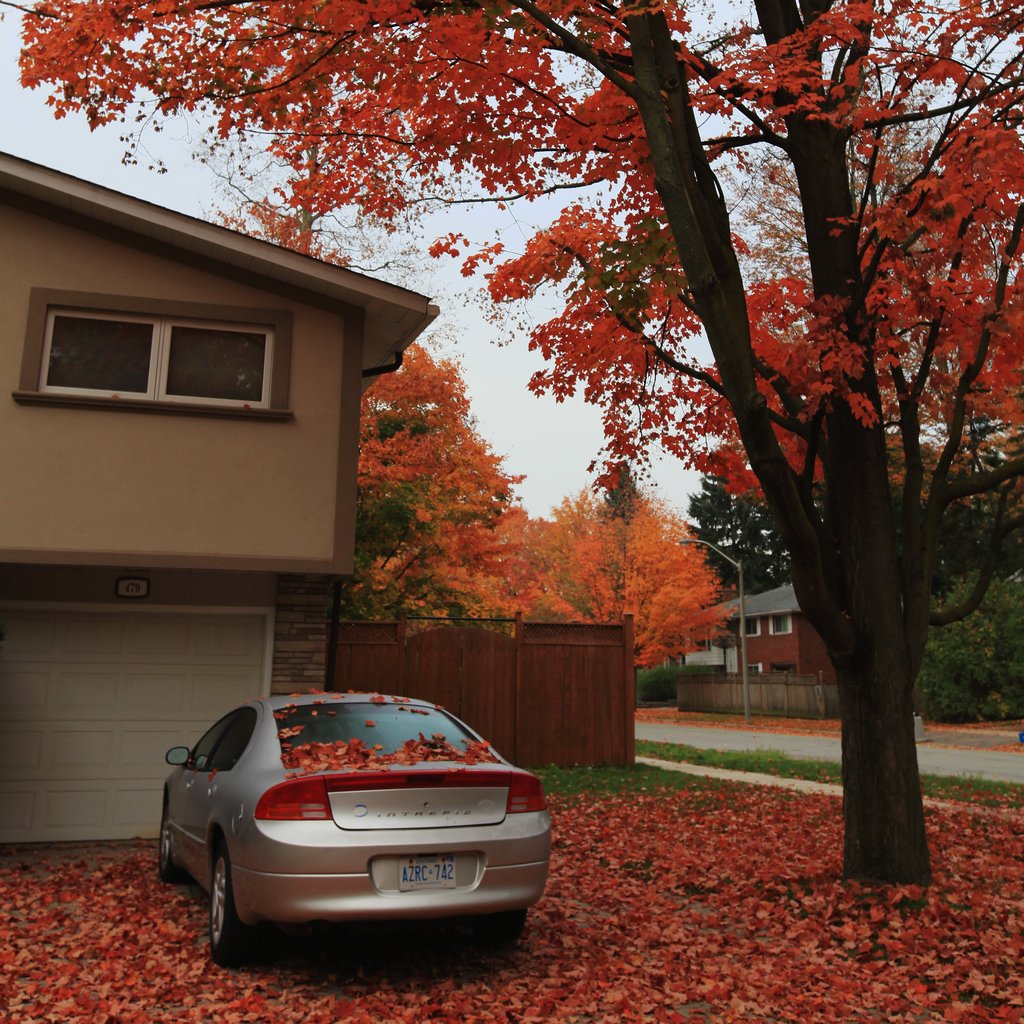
(371, 731)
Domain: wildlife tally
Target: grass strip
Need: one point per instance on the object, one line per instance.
(572, 784)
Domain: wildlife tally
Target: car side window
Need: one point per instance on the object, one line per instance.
(202, 751)
(233, 741)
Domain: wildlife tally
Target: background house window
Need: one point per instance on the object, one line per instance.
(753, 625)
(781, 623)
(158, 358)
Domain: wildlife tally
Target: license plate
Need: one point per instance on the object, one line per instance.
(427, 873)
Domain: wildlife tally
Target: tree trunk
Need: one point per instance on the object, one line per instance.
(845, 563)
(882, 808)
(883, 811)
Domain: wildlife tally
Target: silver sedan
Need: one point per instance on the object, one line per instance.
(347, 807)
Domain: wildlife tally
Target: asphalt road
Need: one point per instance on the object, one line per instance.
(932, 759)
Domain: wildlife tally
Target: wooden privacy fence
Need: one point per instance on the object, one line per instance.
(772, 693)
(540, 692)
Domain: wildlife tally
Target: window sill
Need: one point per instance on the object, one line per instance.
(139, 405)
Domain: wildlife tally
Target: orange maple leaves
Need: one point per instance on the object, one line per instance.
(432, 498)
(588, 564)
(487, 95)
(355, 755)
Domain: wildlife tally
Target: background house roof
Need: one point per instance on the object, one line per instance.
(394, 316)
(771, 602)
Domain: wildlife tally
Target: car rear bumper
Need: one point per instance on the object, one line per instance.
(296, 899)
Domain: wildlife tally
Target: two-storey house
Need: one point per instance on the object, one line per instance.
(178, 441)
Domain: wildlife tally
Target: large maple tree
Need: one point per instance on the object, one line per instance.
(898, 123)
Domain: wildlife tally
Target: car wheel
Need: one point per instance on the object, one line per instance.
(166, 868)
(231, 941)
(502, 929)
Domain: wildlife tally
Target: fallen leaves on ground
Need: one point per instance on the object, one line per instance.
(713, 903)
(670, 716)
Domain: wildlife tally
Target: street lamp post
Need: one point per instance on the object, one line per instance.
(738, 565)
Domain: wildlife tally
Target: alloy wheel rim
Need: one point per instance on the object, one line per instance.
(217, 898)
(165, 845)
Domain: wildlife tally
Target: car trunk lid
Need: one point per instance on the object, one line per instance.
(434, 797)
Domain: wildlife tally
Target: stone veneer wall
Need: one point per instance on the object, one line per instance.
(300, 633)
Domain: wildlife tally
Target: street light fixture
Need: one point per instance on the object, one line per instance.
(738, 565)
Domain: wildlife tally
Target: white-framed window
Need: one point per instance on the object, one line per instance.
(159, 358)
(781, 622)
(754, 668)
(753, 625)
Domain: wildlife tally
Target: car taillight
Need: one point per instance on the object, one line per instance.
(295, 800)
(525, 793)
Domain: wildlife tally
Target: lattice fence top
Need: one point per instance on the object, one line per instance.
(583, 634)
(577, 634)
(368, 632)
(504, 627)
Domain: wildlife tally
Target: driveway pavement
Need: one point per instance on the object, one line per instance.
(932, 758)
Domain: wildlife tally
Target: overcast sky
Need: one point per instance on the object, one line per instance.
(551, 444)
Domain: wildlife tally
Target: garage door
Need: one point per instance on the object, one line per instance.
(90, 703)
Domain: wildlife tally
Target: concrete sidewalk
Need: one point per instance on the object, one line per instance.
(931, 758)
(750, 778)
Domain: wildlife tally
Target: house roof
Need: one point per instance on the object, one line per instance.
(771, 602)
(394, 316)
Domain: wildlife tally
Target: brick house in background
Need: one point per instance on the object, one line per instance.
(180, 420)
(779, 639)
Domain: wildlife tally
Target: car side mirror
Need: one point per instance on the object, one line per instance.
(177, 755)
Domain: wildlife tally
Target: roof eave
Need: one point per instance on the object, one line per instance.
(395, 315)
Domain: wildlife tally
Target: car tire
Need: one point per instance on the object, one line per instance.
(166, 868)
(231, 940)
(501, 929)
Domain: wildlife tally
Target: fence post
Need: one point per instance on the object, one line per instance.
(403, 670)
(517, 686)
(629, 693)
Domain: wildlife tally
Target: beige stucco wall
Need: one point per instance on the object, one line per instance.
(178, 588)
(104, 486)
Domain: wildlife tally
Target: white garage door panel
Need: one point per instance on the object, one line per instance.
(90, 704)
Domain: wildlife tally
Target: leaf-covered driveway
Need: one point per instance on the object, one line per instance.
(710, 903)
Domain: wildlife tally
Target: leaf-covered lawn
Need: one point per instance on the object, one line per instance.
(694, 903)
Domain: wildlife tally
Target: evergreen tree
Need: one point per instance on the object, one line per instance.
(743, 528)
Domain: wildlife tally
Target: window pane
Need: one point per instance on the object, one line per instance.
(232, 744)
(388, 725)
(216, 363)
(201, 752)
(102, 355)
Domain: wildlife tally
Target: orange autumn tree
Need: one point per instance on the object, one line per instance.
(594, 565)
(901, 321)
(431, 499)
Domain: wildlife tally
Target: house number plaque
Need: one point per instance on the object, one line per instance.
(133, 587)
